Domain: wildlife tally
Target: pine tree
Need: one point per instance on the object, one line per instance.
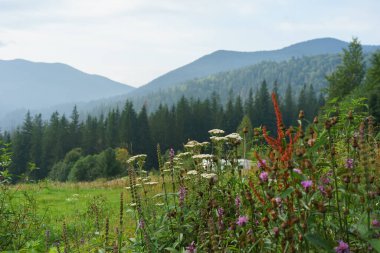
(36, 146)
(349, 74)
(22, 143)
(75, 129)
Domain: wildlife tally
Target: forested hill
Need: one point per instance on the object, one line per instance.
(223, 60)
(296, 72)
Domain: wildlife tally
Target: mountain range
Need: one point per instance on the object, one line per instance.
(46, 87)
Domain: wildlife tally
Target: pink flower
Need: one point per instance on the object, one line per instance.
(191, 248)
(342, 247)
(261, 163)
(298, 171)
(264, 176)
(237, 202)
(242, 220)
(376, 223)
(306, 184)
(349, 163)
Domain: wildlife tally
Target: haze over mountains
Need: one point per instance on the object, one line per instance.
(28, 85)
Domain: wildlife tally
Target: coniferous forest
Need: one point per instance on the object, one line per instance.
(53, 148)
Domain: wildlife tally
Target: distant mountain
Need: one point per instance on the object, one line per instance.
(26, 85)
(224, 60)
(220, 72)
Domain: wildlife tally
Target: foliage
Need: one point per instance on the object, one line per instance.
(45, 144)
(350, 73)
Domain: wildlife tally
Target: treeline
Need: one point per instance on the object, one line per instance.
(45, 145)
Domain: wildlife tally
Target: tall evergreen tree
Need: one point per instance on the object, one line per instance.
(349, 74)
(22, 143)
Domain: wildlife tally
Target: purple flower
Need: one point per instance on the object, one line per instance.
(349, 163)
(242, 220)
(325, 180)
(278, 200)
(306, 184)
(182, 195)
(220, 212)
(237, 202)
(376, 223)
(264, 176)
(321, 188)
(276, 231)
(342, 247)
(261, 163)
(191, 248)
(171, 154)
(141, 223)
(298, 171)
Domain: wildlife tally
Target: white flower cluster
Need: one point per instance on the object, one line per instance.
(218, 139)
(184, 155)
(192, 172)
(209, 175)
(202, 156)
(216, 132)
(137, 158)
(234, 138)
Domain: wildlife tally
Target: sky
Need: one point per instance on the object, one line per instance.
(135, 41)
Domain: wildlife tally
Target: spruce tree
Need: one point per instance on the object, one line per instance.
(349, 74)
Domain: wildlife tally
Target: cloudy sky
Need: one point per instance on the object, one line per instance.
(134, 41)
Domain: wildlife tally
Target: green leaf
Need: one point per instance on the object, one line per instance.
(172, 250)
(319, 242)
(287, 192)
(375, 245)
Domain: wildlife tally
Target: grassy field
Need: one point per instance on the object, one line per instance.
(74, 203)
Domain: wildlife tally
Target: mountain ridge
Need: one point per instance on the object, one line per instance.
(224, 60)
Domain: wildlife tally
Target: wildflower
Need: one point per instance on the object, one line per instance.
(342, 247)
(138, 158)
(242, 220)
(321, 188)
(349, 163)
(202, 156)
(218, 139)
(278, 200)
(261, 163)
(220, 212)
(298, 171)
(192, 172)
(234, 138)
(325, 180)
(264, 176)
(276, 231)
(191, 248)
(376, 223)
(192, 144)
(216, 132)
(306, 184)
(184, 155)
(208, 175)
(182, 195)
(141, 223)
(237, 202)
